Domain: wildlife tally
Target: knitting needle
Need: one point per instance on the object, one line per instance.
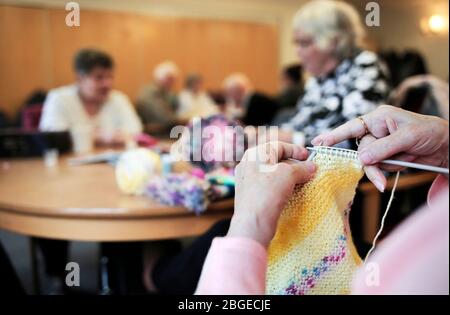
(310, 157)
(313, 153)
(406, 164)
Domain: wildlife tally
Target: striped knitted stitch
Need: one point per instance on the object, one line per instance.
(312, 251)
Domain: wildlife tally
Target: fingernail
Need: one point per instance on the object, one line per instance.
(311, 166)
(379, 185)
(316, 140)
(366, 157)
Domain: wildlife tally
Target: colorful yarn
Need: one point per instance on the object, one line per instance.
(308, 278)
(312, 251)
(180, 190)
(194, 191)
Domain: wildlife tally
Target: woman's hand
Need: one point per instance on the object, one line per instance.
(396, 134)
(264, 182)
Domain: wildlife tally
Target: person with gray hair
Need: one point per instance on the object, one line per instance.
(194, 101)
(345, 81)
(245, 104)
(157, 103)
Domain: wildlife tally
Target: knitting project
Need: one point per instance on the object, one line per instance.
(312, 251)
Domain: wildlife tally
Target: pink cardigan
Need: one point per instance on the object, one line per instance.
(413, 259)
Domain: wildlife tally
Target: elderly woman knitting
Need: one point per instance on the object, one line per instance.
(345, 81)
(412, 259)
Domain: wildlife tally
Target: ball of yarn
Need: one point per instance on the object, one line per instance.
(135, 168)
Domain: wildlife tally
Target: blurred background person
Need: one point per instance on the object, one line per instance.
(91, 104)
(291, 86)
(194, 101)
(245, 104)
(346, 81)
(291, 90)
(157, 103)
(425, 94)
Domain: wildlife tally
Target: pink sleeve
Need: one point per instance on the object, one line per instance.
(439, 184)
(234, 266)
(414, 258)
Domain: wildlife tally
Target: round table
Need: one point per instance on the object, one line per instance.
(83, 203)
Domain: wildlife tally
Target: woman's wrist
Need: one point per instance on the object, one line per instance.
(248, 226)
(442, 133)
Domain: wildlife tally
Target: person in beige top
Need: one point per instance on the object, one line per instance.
(194, 101)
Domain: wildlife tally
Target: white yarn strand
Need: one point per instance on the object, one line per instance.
(391, 198)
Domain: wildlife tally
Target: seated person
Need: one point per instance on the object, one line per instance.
(291, 86)
(157, 103)
(245, 104)
(413, 259)
(291, 89)
(193, 101)
(345, 81)
(424, 94)
(91, 103)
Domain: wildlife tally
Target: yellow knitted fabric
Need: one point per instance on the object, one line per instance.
(312, 251)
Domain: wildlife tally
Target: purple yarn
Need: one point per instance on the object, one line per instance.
(180, 190)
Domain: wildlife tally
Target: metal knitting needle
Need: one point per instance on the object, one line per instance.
(313, 153)
(424, 167)
(310, 157)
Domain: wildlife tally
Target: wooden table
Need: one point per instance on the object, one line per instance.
(83, 203)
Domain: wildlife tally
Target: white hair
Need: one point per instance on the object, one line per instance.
(165, 69)
(327, 21)
(237, 79)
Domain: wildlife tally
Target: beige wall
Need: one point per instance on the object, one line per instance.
(399, 20)
(278, 12)
(36, 49)
(259, 31)
(400, 29)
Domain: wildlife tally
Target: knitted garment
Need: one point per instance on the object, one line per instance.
(312, 251)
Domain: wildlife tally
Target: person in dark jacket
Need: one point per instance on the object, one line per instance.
(291, 90)
(247, 105)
